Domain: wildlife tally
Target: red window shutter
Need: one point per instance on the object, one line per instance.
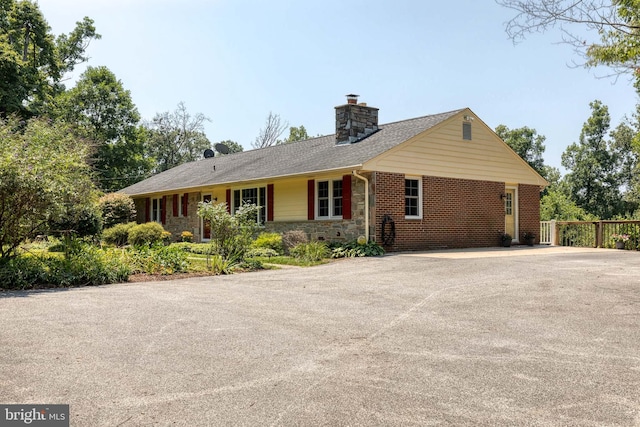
(228, 196)
(346, 197)
(311, 207)
(163, 210)
(175, 205)
(185, 203)
(269, 202)
(147, 210)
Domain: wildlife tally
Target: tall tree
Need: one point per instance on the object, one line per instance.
(269, 134)
(593, 177)
(625, 144)
(615, 23)
(44, 177)
(176, 137)
(106, 115)
(32, 60)
(526, 143)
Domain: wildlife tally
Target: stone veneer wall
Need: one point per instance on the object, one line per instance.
(175, 225)
(331, 230)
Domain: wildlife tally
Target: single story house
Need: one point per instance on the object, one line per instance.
(439, 181)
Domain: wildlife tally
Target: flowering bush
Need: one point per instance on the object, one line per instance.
(620, 237)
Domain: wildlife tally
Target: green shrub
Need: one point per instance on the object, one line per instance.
(293, 238)
(23, 272)
(78, 221)
(269, 241)
(231, 235)
(218, 265)
(355, 249)
(117, 208)
(146, 234)
(90, 266)
(262, 252)
(158, 259)
(312, 251)
(118, 234)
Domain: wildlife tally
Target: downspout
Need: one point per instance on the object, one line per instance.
(366, 203)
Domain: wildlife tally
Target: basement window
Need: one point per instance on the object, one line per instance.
(466, 131)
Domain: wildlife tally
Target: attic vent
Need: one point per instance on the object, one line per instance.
(466, 131)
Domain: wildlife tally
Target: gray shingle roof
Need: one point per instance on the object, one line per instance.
(311, 155)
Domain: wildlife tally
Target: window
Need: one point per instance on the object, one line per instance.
(156, 209)
(412, 198)
(466, 131)
(329, 199)
(508, 204)
(180, 202)
(256, 196)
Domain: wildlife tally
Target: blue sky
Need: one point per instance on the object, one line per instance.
(237, 60)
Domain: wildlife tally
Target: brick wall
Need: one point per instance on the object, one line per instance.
(456, 213)
(529, 210)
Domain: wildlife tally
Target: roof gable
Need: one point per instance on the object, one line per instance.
(441, 150)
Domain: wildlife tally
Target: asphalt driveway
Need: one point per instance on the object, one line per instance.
(483, 337)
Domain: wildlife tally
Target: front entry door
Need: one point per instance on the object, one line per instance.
(510, 212)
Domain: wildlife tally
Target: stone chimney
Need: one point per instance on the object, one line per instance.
(354, 121)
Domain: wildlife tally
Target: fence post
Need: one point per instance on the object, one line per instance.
(599, 234)
(553, 233)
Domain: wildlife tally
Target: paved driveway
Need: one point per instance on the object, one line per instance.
(496, 337)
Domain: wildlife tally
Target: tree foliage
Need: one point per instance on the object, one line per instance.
(269, 134)
(117, 208)
(295, 134)
(616, 23)
(176, 137)
(44, 177)
(593, 180)
(527, 144)
(105, 113)
(32, 60)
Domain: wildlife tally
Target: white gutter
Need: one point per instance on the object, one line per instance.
(366, 203)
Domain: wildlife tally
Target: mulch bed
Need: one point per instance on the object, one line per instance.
(144, 277)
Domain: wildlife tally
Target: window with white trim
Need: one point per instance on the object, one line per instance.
(256, 196)
(180, 200)
(413, 198)
(329, 199)
(156, 209)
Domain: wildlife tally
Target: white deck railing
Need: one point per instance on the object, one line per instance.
(547, 232)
